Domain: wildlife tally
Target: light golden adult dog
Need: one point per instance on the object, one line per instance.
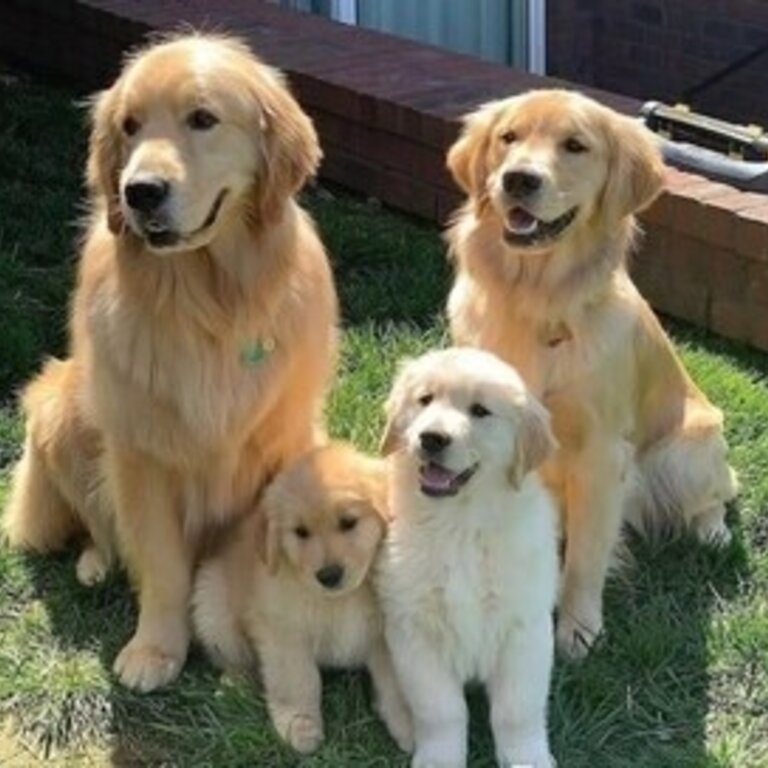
(554, 180)
(203, 327)
(300, 597)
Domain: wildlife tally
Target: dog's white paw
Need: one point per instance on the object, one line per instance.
(435, 755)
(400, 726)
(710, 528)
(92, 567)
(514, 759)
(575, 635)
(145, 666)
(304, 733)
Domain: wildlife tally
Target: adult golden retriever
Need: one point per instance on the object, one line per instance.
(554, 180)
(203, 327)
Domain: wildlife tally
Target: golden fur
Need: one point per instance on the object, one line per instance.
(261, 596)
(203, 333)
(637, 437)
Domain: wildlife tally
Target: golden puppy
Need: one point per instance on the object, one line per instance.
(468, 572)
(301, 597)
(554, 180)
(203, 328)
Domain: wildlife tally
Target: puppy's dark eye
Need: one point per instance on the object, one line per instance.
(479, 411)
(201, 120)
(301, 531)
(508, 137)
(425, 400)
(574, 146)
(347, 523)
(131, 126)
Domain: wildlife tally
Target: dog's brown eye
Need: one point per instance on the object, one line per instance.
(301, 531)
(131, 126)
(347, 523)
(479, 411)
(574, 146)
(201, 120)
(509, 137)
(426, 399)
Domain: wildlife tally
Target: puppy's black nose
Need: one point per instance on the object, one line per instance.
(434, 442)
(146, 194)
(520, 183)
(330, 576)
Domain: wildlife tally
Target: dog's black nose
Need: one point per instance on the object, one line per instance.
(520, 183)
(146, 194)
(434, 442)
(330, 576)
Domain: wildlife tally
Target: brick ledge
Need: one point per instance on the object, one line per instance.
(386, 110)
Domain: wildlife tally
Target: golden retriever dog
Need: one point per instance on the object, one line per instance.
(300, 597)
(553, 182)
(469, 570)
(203, 328)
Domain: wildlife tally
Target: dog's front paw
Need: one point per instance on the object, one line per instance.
(540, 759)
(303, 732)
(92, 567)
(435, 756)
(144, 666)
(576, 633)
(399, 724)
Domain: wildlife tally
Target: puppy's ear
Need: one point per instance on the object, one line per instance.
(467, 160)
(268, 543)
(635, 171)
(392, 437)
(289, 146)
(535, 441)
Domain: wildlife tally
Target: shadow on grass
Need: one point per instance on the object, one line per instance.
(641, 700)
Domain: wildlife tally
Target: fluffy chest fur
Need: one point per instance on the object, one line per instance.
(339, 631)
(467, 573)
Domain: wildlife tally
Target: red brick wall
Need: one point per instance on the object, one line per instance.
(386, 110)
(657, 49)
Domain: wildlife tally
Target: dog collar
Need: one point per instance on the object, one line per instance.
(255, 350)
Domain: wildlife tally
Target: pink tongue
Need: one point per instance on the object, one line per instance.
(519, 218)
(435, 476)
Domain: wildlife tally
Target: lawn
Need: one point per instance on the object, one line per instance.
(681, 681)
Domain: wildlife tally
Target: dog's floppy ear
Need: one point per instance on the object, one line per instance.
(268, 541)
(635, 169)
(103, 167)
(535, 440)
(391, 440)
(467, 157)
(289, 146)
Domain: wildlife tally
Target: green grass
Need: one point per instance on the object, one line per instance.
(680, 682)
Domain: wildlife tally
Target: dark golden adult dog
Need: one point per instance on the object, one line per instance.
(554, 180)
(203, 328)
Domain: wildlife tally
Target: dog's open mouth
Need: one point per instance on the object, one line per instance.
(159, 235)
(522, 228)
(436, 480)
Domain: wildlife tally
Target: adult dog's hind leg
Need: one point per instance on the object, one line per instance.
(37, 516)
(688, 475)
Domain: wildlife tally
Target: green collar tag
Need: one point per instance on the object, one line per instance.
(254, 351)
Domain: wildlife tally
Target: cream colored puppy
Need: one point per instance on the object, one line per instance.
(468, 573)
(305, 600)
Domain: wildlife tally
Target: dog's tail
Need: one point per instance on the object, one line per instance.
(216, 619)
